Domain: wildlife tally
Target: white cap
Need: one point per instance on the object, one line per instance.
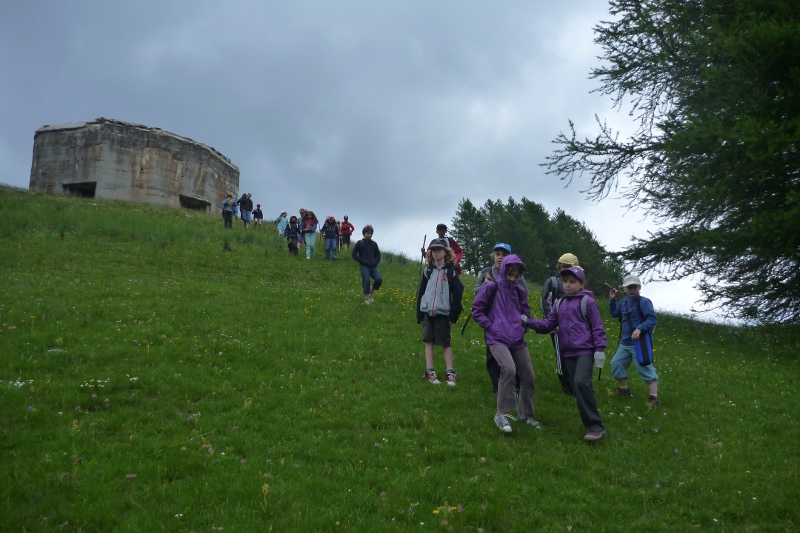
(630, 279)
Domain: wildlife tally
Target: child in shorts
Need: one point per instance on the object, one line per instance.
(638, 317)
(439, 306)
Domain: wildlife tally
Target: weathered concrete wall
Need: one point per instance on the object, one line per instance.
(122, 161)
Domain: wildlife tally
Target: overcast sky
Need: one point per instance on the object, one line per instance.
(390, 112)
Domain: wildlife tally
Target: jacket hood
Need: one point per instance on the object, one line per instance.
(510, 259)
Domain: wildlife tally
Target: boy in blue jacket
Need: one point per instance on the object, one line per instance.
(638, 318)
(581, 342)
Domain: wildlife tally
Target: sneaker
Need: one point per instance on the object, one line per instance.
(450, 379)
(594, 436)
(624, 391)
(502, 423)
(531, 422)
(430, 375)
(653, 401)
(367, 299)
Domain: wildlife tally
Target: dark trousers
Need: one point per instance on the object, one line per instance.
(579, 370)
(493, 368)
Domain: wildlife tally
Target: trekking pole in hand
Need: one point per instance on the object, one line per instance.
(424, 240)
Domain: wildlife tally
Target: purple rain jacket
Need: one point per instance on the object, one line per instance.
(575, 336)
(501, 320)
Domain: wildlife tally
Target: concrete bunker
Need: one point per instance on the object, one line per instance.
(116, 160)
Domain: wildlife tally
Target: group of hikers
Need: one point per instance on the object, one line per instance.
(501, 307)
(296, 231)
(570, 316)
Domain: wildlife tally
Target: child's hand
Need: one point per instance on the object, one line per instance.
(487, 279)
(612, 293)
(636, 333)
(524, 319)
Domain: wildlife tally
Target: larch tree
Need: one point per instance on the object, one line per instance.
(714, 89)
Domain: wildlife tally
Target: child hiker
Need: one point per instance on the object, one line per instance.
(368, 256)
(309, 232)
(638, 319)
(497, 309)
(292, 234)
(331, 233)
(439, 306)
(227, 211)
(581, 342)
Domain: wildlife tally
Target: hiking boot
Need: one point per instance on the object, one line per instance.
(430, 375)
(594, 436)
(450, 379)
(653, 401)
(531, 422)
(502, 423)
(624, 391)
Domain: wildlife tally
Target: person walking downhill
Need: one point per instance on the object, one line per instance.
(582, 342)
(441, 231)
(227, 211)
(309, 231)
(552, 291)
(281, 221)
(491, 273)
(302, 220)
(258, 217)
(638, 319)
(497, 309)
(439, 306)
(331, 233)
(368, 256)
(246, 209)
(292, 235)
(347, 230)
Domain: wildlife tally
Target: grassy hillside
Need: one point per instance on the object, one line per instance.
(158, 373)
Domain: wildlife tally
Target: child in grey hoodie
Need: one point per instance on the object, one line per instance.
(439, 306)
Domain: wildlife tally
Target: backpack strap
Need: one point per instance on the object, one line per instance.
(584, 307)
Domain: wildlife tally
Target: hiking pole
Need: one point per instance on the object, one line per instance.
(424, 240)
(559, 369)
(465, 324)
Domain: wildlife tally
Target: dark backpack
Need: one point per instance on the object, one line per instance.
(552, 290)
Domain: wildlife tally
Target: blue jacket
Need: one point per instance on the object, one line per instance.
(498, 306)
(575, 336)
(330, 230)
(632, 319)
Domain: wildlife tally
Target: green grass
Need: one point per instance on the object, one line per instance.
(150, 380)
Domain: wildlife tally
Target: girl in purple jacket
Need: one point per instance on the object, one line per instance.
(581, 342)
(497, 309)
